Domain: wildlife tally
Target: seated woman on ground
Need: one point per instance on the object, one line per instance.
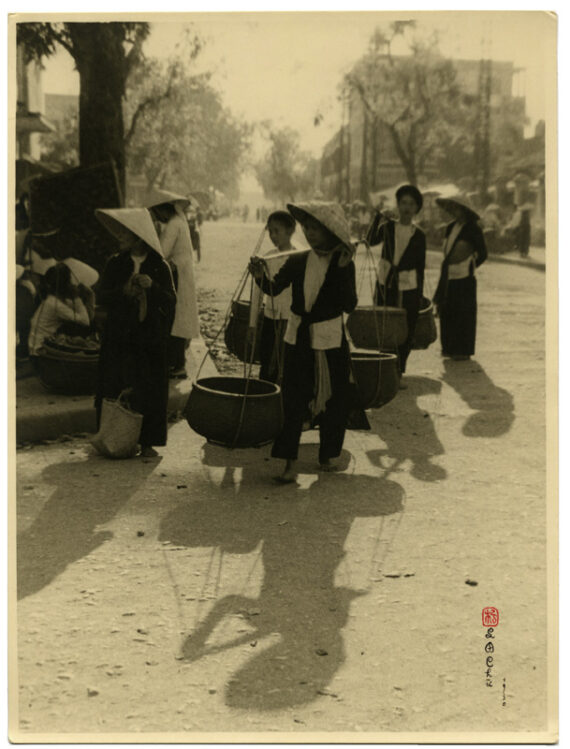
(62, 303)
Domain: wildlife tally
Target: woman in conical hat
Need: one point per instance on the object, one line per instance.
(137, 291)
(316, 372)
(464, 250)
(402, 263)
(168, 209)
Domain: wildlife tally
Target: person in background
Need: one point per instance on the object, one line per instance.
(62, 302)
(316, 373)
(464, 251)
(137, 292)
(281, 226)
(177, 249)
(519, 228)
(402, 263)
(25, 308)
(193, 216)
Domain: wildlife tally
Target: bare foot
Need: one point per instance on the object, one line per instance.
(148, 452)
(289, 475)
(327, 466)
(285, 478)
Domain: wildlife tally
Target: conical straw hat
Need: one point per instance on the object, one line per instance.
(159, 197)
(81, 272)
(137, 221)
(462, 202)
(330, 215)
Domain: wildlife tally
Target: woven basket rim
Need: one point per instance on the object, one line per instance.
(198, 384)
(367, 355)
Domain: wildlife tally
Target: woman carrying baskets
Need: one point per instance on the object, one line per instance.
(138, 294)
(402, 263)
(316, 370)
(464, 250)
(280, 226)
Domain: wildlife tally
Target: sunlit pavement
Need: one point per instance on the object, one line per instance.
(192, 594)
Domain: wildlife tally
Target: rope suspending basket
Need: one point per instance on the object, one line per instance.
(237, 412)
(375, 332)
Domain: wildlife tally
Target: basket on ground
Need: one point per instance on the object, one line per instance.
(119, 429)
(379, 328)
(235, 411)
(377, 377)
(68, 372)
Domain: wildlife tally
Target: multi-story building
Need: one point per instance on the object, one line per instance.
(357, 161)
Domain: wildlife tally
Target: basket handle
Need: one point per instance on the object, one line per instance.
(122, 399)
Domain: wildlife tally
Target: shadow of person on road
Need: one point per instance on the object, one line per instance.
(494, 405)
(300, 610)
(409, 432)
(87, 494)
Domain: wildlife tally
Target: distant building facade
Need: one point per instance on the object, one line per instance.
(30, 108)
(348, 171)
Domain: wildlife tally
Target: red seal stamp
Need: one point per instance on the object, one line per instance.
(490, 616)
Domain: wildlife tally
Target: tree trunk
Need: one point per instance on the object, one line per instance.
(364, 161)
(408, 159)
(100, 59)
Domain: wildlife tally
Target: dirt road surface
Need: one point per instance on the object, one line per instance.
(190, 594)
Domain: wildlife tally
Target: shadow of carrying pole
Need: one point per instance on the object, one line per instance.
(302, 534)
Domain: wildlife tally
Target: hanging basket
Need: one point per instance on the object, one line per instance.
(68, 373)
(426, 331)
(378, 328)
(377, 377)
(219, 410)
(235, 334)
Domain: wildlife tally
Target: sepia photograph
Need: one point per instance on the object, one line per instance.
(283, 377)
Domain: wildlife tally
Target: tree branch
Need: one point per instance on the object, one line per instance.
(150, 101)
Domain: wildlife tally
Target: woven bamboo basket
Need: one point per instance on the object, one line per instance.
(377, 377)
(378, 328)
(426, 331)
(235, 334)
(235, 411)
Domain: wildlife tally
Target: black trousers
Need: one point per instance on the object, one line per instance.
(176, 352)
(298, 391)
(458, 318)
(272, 349)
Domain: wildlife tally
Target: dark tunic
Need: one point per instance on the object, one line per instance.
(456, 299)
(133, 353)
(413, 258)
(337, 295)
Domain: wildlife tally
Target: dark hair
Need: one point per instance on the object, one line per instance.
(413, 192)
(164, 212)
(57, 281)
(283, 218)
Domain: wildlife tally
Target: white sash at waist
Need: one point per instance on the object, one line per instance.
(323, 335)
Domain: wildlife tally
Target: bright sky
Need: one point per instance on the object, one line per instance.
(287, 66)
